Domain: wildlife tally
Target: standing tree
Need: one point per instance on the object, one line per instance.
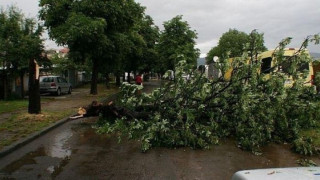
(177, 42)
(88, 27)
(215, 51)
(141, 55)
(21, 45)
(136, 45)
(255, 45)
(234, 42)
(133, 51)
(150, 34)
(30, 49)
(33, 49)
(10, 37)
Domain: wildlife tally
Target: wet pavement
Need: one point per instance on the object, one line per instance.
(76, 151)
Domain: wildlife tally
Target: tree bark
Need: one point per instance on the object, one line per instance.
(94, 77)
(124, 77)
(22, 83)
(128, 77)
(107, 81)
(4, 84)
(118, 83)
(34, 90)
(112, 111)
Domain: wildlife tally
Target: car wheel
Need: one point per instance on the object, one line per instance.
(58, 92)
(70, 89)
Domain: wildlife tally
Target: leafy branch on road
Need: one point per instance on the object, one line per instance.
(198, 111)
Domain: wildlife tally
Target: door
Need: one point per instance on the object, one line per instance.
(63, 84)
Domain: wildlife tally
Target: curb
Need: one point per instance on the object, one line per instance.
(16, 145)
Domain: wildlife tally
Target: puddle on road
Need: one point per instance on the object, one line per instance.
(57, 149)
(49, 160)
(56, 170)
(25, 160)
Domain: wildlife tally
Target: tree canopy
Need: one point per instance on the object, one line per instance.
(234, 42)
(19, 42)
(150, 33)
(177, 42)
(11, 37)
(21, 45)
(90, 28)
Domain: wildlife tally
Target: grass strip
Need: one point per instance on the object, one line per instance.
(23, 124)
(10, 106)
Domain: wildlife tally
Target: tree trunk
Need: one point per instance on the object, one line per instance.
(5, 84)
(34, 90)
(94, 77)
(22, 83)
(128, 77)
(124, 77)
(135, 75)
(111, 111)
(118, 83)
(107, 81)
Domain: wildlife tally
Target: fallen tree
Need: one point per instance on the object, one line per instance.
(198, 111)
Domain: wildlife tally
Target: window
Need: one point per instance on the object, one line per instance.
(63, 80)
(284, 67)
(48, 79)
(266, 65)
(303, 67)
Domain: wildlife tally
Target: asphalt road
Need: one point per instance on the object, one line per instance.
(75, 151)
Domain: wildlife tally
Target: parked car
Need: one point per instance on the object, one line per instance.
(278, 173)
(269, 60)
(54, 85)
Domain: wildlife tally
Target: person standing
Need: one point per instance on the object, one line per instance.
(138, 79)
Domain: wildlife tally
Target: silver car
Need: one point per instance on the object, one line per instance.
(54, 85)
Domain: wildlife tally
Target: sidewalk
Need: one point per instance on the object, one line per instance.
(80, 97)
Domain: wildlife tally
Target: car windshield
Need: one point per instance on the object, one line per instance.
(48, 79)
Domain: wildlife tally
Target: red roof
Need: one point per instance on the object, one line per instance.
(64, 50)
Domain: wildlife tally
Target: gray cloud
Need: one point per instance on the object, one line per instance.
(211, 18)
(30, 9)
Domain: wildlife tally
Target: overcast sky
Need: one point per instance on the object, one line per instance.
(277, 19)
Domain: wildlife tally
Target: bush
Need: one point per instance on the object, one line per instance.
(304, 146)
